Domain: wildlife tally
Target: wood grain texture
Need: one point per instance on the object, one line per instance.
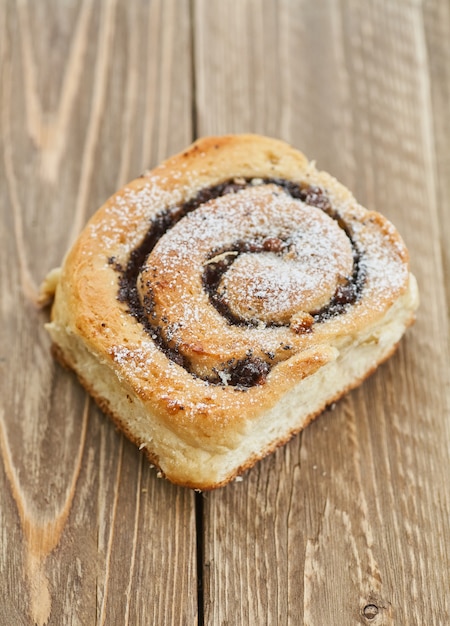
(92, 93)
(437, 35)
(348, 523)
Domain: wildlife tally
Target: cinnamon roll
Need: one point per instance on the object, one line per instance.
(217, 304)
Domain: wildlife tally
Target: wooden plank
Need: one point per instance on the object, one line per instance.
(92, 93)
(230, 30)
(349, 522)
(353, 512)
(437, 34)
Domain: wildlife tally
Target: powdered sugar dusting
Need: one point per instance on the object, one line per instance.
(127, 215)
(296, 258)
(384, 261)
(138, 357)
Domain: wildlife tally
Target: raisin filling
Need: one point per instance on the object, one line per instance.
(252, 370)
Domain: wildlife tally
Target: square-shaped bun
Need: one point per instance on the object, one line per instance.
(216, 305)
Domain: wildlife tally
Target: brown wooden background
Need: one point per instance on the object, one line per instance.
(349, 523)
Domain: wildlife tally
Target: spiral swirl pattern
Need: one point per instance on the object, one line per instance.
(228, 282)
(217, 304)
(241, 272)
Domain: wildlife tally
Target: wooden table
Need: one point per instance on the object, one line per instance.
(347, 524)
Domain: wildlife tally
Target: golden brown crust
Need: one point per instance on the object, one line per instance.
(203, 406)
(106, 408)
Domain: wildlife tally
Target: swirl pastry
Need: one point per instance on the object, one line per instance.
(217, 304)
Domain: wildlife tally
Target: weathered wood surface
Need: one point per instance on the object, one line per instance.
(347, 524)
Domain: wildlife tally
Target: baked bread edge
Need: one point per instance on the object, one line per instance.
(196, 468)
